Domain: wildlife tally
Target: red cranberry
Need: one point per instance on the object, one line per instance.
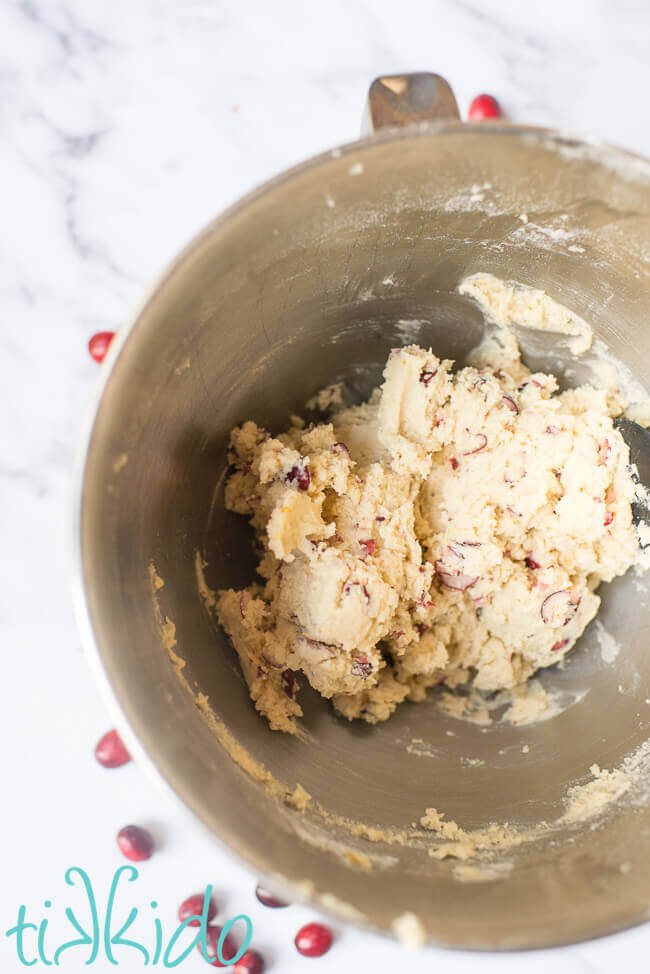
(484, 106)
(531, 563)
(368, 546)
(135, 843)
(228, 946)
(110, 751)
(249, 963)
(193, 907)
(426, 375)
(268, 899)
(99, 344)
(560, 644)
(559, 607)
(289, 683)
(609, 517)
(313, 940)
(299, 475)
(454, 463)
(453, 580)
(478, 442)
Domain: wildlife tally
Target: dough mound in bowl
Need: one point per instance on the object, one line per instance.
(453, 530)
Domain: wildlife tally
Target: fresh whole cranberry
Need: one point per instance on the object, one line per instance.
(249, 963)
(110, 750)
(313, 940)
(99, 344)
(135, 843)
(267, 898)
(193, 907)
(484, 106)
(228, 946)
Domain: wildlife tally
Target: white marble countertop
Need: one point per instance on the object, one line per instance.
(124, 127)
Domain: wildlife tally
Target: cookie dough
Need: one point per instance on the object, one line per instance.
(451, 530)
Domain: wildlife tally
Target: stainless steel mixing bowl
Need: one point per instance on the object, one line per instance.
(311, 278)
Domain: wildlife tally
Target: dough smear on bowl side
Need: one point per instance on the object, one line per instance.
(453, 530)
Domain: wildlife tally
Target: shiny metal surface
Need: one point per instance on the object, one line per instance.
(403, 99)
(279, 296)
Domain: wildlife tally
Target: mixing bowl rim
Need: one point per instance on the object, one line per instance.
(90, 643)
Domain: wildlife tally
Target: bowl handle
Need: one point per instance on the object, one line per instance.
(402, 99)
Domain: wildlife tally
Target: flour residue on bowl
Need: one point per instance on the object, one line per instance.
(527, 703)
(297, 797)
(478, 852)
(313, 833)
(609, 647)
(489, 872)
(462, 844)
(409, 930)
(583, 802)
